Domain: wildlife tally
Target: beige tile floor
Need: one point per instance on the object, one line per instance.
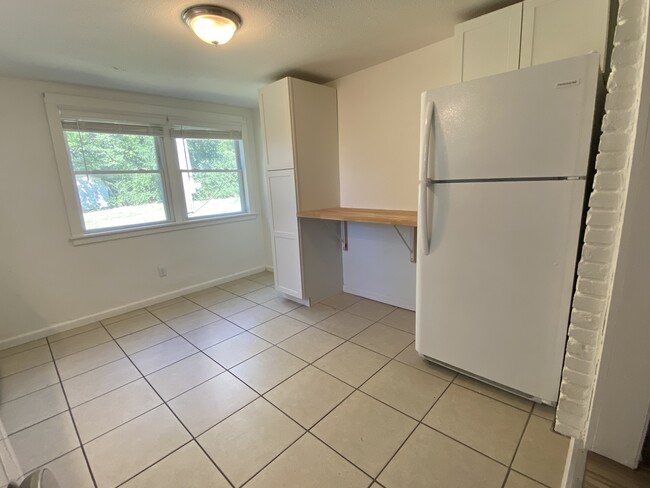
(234, 386)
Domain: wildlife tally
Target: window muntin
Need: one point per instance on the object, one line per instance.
(212, 172)
(118, 174)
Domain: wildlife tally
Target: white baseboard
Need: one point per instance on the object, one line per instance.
(104, 314)
(395, 301)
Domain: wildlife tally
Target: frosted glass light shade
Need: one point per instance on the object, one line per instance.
(212, 24)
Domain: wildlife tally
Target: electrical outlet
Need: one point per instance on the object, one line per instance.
(162, 271)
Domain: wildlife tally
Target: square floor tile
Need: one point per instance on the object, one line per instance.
(28, 381)
(187, 467)
(253, 317)
(308, 395)
(79, 342)
(88, 359)
(310, 344)
(25, 360)
(542, 453)
(312, 315)
(241, 286)
(237, 349)
(163, 354)
(282, 305)
(248, 440)
(279, 329)
(101, 380)
(265, 278)
(401, 319)
(131, 324)
(492, 392)
(487, 425)
(184, 375)
(10, 351)
(211, 402)
(262, 295)
(71, 470)
(544, 411)
(351, 363)
(411, 357)
(429, 459)
(113, 409)
(212, 334)
(35, 407)
(232, 306)
(176, 310)
(122, 453)
(516, 480)
(193, 320)
(341, 301)
(267, 369)
(43, 442)
(383, 339)
(124, 316)
(72, 332)
(143, 339)
(370, 309)
(319, 467)
(344, 324)
(365, 431)
(211, 297)
(407, 389)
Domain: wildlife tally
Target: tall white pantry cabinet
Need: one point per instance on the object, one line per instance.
(300, 136)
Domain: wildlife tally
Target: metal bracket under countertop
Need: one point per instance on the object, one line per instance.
(414, 241)
(412, 247)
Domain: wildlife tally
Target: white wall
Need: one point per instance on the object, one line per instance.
(379, 116)
(47, 282)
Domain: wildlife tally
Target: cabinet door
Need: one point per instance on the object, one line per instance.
(275, 109)
(286, 243)
(558, 29)
(489, 44)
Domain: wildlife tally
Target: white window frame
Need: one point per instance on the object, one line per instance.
(60, 107)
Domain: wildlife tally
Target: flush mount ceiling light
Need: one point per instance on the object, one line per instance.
(212, 24)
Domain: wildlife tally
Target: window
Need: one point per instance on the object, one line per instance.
(210, 165)
(138, 171)
(117, 173)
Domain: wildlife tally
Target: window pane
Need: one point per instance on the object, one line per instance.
(208, 154)
(121, 200)
(209, 194)
(92, 151)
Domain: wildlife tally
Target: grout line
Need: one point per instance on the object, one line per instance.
(375, 478)
(161, 459)
(534, 480)
(177, 418)
(74, 423)
(307, 364)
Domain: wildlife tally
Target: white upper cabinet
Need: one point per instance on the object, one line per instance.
(275, 108)
(530, 33)
(558, 29)
(489, 44)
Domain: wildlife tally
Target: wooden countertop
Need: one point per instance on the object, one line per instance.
(373, 216)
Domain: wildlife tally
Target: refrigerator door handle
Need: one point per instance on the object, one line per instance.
(424, 178)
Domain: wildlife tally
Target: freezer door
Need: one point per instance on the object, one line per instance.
(494, 292)
(534, 122)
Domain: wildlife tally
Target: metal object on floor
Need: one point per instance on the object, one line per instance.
(43, 478)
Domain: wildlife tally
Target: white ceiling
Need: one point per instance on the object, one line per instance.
(142, 45)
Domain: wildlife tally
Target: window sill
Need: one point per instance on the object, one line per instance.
(112, 235)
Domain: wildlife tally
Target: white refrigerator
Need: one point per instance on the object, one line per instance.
(504, 163)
